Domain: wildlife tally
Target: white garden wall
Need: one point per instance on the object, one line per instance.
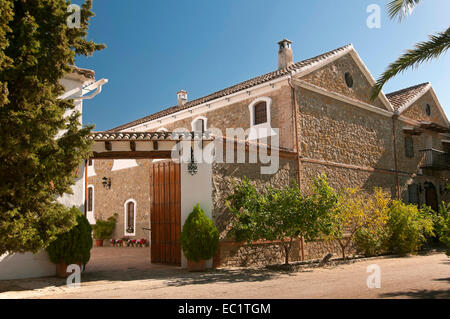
(196, 189)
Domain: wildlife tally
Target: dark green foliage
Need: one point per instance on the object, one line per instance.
(440, 218)
(371, 243)
(75, 245)
(199, 238)
(103, 229)
(281, 214)
(36, 51)
(442, 227)
(445, 235)
(407, 228)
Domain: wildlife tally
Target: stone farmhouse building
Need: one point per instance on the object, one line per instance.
(321, 114)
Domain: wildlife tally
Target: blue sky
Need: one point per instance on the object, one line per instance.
(155, 48)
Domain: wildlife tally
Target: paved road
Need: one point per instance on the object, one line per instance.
(408, 277)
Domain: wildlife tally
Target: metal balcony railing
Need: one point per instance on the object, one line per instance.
(435, 159)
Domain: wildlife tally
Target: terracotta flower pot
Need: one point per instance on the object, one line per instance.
(99, 242)
(61, 269)
(196, 265)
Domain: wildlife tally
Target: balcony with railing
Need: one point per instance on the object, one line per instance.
(435, 159)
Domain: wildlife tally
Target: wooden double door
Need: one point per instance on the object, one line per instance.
(165, 214)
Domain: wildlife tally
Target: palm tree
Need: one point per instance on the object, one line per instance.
(422, 52)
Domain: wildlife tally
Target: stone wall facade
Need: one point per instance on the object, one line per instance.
(237, 115)
(353, 146)
(129, 183)
(225, 174)
(332, 78)
(417, 110)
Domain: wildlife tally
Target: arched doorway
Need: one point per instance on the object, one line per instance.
(431, 196)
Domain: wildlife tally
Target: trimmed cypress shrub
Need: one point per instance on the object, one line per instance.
(200, 238)
(75, 245)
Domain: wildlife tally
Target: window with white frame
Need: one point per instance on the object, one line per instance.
(199, 124)
(130, 209)
(260, 126)
(90, 199)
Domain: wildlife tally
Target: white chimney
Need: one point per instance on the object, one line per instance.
(285, 56)
(181, 97)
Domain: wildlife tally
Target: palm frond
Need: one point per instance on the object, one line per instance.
(401, 8)
(422, 52)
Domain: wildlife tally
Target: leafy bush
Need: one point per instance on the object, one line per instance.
(440, 218)
(445, 235)
(103, 229)
(371, 242)
(407, 227)
(361, 217)
(75, 245)
(281, 214)
(443, 226)
(200, 238)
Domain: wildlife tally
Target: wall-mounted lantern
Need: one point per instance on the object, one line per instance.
(106, 182)
(192, 166)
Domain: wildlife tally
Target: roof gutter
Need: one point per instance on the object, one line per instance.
(95, 86)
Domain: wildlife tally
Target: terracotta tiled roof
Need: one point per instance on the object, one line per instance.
(90, 74)
(296, 67)
(147, 136)
(400, 98)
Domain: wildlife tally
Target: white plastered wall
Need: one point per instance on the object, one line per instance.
(191, 195)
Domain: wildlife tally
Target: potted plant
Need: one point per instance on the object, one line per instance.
(199, 239)
(72, 247)
(103, 229)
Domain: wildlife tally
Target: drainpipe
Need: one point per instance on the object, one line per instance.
(397, 185)
(297, 143)
(85, 186)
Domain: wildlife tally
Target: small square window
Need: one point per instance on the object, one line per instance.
(260, 113)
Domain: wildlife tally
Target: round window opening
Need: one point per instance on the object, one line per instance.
(428, 109)
(348, 79)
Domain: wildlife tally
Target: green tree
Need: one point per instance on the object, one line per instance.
(361, 215)
(445, 235)
(442, 225)
(281, 214)
(200, 238)
(425, 51)
(36, 51)
(75, 245)
(408, 227)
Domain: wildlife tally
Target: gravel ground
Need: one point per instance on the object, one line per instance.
(406, 277)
